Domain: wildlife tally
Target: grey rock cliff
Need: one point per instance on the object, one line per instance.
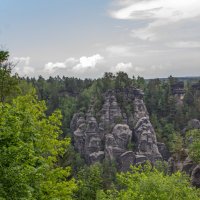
(196, 176)
(114, 136)
(144, 131)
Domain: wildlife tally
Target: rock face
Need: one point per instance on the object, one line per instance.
(112, 138)
(116, 143)
(196, 176)
(194, 124)
(163, 151)
(188, 166)
(110, 112)
(126, 160)
(144, 131)
(87, 140)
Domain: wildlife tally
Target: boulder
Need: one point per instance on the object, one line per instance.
(140, 159)
(126, 160)
(96, 157)
(116, 143)
(79, 139)
(75, 118)
(122, 135)
(196, 176)
(188, 166)
(163, 151)
(193, 124)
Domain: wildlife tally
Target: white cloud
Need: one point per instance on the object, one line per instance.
(73, 65)
(24, 60)
(157, 15)
(156, 67)
(88, 62)
(128, 68)
(51, 67)
(119, 50)
(23, 67)
(185, 44)
(157, 9)
(123, 67)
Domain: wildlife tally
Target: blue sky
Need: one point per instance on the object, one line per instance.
(150, 38)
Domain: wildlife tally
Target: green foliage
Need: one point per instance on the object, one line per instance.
(140, 83)
(90, 181)
(68, 107)
(161, 166)
(122, 80)
(193, 141)
(8, 82)
(29, 148)
(175, 143)
(145, 183)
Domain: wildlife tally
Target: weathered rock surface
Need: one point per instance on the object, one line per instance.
(116, 143)
(140, 159)
(111, 138)
(144, 131)
(87, 140)
(74, 122)
(194, 124)
(110, 112)
(179, 161)
(126, 160)
(196, 176)
(163, 151)
(188, 166)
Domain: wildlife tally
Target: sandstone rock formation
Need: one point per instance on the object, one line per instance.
(194, 124)
(196, 176)
(87, 140)
(164, 151)
(110, 112)
(116, 143)
(144, 131)
(113, 137)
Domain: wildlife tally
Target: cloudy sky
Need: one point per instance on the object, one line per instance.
(85, 38)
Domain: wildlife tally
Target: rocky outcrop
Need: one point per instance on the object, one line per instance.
(144, 131)
(177, 162)
(188, 166)
(110, 113)
(164, 151)
(87, 140)
(193, 124)
(196, 176)
(116, 143)
(126, 160)
(113, 136)
(182, 162)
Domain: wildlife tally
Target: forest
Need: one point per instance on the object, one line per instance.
(41, 157)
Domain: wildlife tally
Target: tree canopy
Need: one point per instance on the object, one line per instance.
(29, 149)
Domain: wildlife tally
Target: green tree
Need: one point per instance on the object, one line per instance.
(29, 149)
(8, 82)
(193, 138)
(122, 80)
(175, 142)
(90, 181)
(145, 183)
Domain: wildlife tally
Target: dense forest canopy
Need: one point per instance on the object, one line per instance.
(38, 159)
